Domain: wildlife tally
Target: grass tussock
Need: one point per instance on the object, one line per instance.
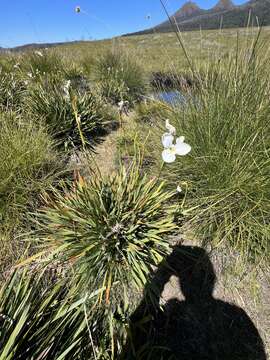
(120, 76)
(227, 123)
(73, 115)
(28, 165)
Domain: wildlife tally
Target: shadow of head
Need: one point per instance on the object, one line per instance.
(195, 272)
(193, 269)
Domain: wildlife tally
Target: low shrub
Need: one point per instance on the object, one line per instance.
(152, 112)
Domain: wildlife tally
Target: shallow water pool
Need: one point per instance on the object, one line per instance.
(172, 97)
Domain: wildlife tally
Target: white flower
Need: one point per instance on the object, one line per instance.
(77, 9)
(39, 53)
(66, 89)
(179, 189)
(30, 75)
(171, 150)
(123, 106)
(169, 127)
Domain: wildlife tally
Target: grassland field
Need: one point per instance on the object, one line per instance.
(160, 52)
(101, 183)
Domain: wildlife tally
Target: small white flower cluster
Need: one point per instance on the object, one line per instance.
(172, 149)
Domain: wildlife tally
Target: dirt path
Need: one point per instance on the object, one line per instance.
(106, 152)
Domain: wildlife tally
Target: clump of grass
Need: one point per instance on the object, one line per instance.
(73, 116)
(28, 165)
(120, 76)
(42, 62)
(12, 89)
(227, 172)
(148, 118)
(88, 64)
(152, 112)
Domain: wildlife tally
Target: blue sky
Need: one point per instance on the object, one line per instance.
(27, 21)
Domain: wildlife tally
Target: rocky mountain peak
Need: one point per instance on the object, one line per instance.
(188, 9)
(224, 5)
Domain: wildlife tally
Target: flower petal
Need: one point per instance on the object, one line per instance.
(182, 148)
(181, 139)
(167, 140)
(168, 156)
(170, 128)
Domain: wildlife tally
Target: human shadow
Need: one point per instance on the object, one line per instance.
(200, 327)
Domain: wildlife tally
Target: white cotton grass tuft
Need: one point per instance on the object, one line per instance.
(179, 189)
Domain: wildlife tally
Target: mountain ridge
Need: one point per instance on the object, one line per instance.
(225, 13)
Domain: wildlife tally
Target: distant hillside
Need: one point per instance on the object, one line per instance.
(224, 13)
(37, 46)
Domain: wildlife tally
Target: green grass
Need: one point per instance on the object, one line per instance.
(161, 52)
(29, 165)
(120, 77)
(226, 174)
(41, 322)
(73, 118)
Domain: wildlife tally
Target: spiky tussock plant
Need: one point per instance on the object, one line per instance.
(72, 118)
(113, 230)
(41, 322)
